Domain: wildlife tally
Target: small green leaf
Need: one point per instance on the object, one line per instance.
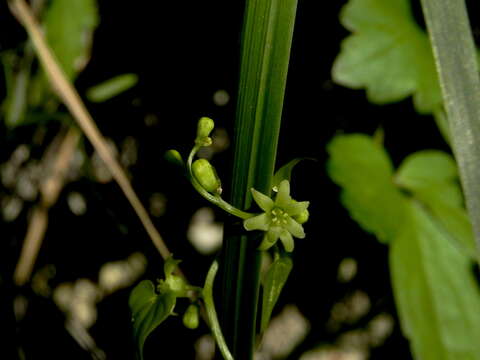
(111, 87)
(69, 26)
(435, 291)
(364, 171)
(388, 54)
(285, 172)
(149, 310)
(275, 279)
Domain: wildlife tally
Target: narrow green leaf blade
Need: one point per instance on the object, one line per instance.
(111, 87)
(364, 172)
(388, 54)
(149, 310)
(69, 26)
(456, 60)
(275, 279)
(435, 291)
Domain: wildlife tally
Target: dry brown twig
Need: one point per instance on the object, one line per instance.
(74, 103)
(56, 163)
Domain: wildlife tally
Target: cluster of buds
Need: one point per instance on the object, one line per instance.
(282, 218)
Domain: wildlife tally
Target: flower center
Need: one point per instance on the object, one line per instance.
(279, 217)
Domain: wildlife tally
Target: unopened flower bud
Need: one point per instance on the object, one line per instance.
(204, 128)
(303, 217)
(190, 318)
(206, 175)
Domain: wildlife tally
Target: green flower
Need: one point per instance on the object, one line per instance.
(280, 219)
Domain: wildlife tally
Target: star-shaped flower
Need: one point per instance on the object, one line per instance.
(280, 219)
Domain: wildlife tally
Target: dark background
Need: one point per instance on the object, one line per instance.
(183, 52)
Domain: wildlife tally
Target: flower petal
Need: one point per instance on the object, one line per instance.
(259, 222)
(269, 239)
(295, 228)
(265, 203)
(283, 198)
(287, 241)
(295, 208)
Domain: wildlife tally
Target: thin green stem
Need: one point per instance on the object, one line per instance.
(212, 313)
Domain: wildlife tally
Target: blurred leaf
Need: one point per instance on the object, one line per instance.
(111, 87)
(453, 220)
(432, 178)
(431, 252)
(435, 291)
(69, 26)
(426, 167)
(275, 279)
(149, 310)
(388, 54)
(431, 171)
(17, 73)
(365, 173)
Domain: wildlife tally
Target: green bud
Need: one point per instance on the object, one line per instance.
(174, 157)
(206, 175)
(303, 217)
(204, 127)
(190, 318)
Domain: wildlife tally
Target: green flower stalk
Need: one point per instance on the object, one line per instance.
(280, 219)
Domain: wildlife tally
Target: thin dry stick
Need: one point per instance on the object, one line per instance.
(73, 102)
(49, 190)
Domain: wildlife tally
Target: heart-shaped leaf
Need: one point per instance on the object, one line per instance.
(149, 310)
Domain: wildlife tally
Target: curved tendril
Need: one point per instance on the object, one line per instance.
(212, 314)
(215, 199)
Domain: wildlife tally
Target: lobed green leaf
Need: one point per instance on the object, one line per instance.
(435, 291)
(432, 249)
(388, 54)
(365, 173)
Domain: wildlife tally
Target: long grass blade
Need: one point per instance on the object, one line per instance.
(456, 61)
(265, 54)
